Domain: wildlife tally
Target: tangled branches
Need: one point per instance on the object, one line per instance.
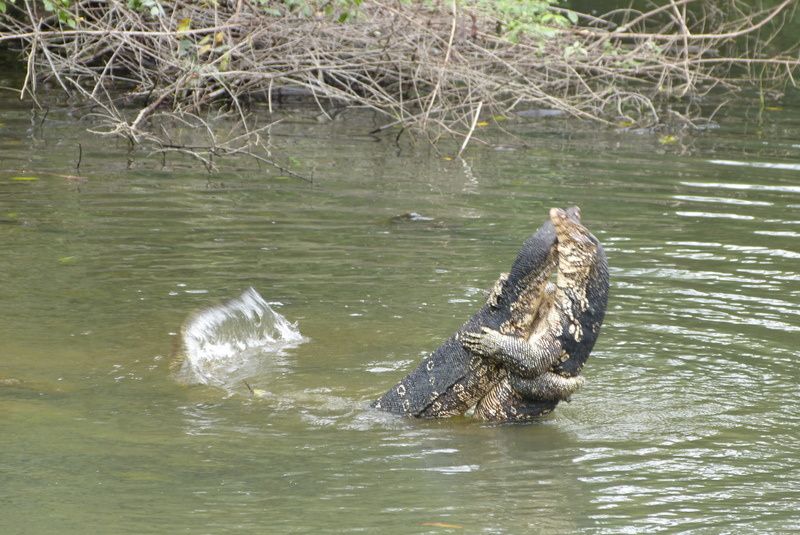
(430, 68)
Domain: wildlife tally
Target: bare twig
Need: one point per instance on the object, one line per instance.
(422, 68)
(471, 128)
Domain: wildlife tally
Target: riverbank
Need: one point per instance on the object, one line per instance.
(432, 69)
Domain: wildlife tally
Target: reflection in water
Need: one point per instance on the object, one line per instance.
(761, 165)
(720, 200)
(226, 344)
(745, 187)
(702, 430)
(688, 421)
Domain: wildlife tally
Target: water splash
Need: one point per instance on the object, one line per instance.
(226, 344)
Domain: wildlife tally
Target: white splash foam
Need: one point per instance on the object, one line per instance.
(226, 344)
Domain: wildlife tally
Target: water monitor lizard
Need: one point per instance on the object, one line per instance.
(452, 380)
(543, 358)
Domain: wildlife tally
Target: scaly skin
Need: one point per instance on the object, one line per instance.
(452, 380)
(543, 359)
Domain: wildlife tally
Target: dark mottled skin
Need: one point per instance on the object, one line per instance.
(567, 332)
(451, 380)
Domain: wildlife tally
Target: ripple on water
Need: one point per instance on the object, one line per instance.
(720, 200)
(762, 165)
(778, 233)
(697, 410)
(688, 421)
(743, 187)
(714, 215)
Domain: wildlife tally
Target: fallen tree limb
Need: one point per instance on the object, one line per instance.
(422, 68)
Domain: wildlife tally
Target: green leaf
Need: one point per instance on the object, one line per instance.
(668, 139)
(225, 61)
(184, 46)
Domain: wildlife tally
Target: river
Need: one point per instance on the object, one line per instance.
(688, 421)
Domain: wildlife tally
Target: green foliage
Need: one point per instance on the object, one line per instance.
(531, 18)
(343, 9)
(575, 49)
(61, 9)
(211, 48)
(338, 10)
(151, 7)
(516, 17)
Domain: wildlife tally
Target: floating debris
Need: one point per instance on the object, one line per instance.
(410, 216)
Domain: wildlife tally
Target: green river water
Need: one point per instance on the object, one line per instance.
(689, 421)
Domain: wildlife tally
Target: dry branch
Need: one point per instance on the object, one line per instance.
(419, 67)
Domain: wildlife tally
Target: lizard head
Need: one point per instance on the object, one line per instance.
(577, 248)
(573, 213)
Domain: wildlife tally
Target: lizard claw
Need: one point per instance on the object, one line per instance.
(471, 342)
(479, 343)
(496, 293)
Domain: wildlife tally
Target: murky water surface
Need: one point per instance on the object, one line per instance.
(689, 420)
